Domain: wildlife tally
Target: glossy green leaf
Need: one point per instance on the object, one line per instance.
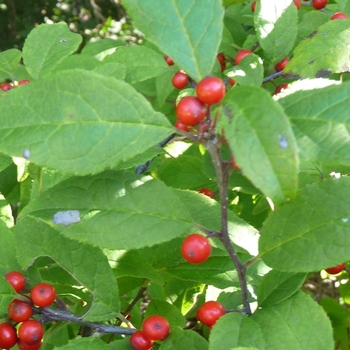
(250, 71)
(5, 161)
(321, 128)
(113, 210)
(298, 323)
(151, 65)
(271, 20)
(277, 286)
(179, 339)
(324, 52)
(9, 61)
(309, 23)
(170, 26)
(233, 330)
(86, 264)
(311, 232)
(79, 122)
(46, 46)
(262, 141)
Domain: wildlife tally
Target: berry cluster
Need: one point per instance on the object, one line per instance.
(27, 333)
(8, 86)
(154, 328)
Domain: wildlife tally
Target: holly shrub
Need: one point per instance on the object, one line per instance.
(99, 189)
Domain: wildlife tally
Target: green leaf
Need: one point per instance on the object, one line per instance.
(250, 71)
(86, 264)
(131, 263)
(7, 294)
(271, 20)
(118, 210)
(233, 330)
(77, 61)
(340, 318)
(322, 53)
(90, 343)
(113, 69)
(169, 311)
(262, 141)
(311, 232)
(170, 26)
(321, 128)
(8, 250)
(9, 61)
(207, 213)
(179, 339)
(288, 324)
(79, 122)
(310, 22)
(5, 161)
(218, 271)
(151, 65)
(277, 286)
(102, 48)
(46, 46)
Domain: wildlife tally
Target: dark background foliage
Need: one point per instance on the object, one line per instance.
(90, 18)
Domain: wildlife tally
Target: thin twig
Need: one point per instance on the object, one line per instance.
(48, 315)
(222, 173)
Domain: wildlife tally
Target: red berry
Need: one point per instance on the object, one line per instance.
(139, 341)
(17, 280)
(31, 332)
(24, 346)
(297, 4)
(210, 312)
(180, 80)
(279, 88)
(8, 336)
(241, 54)
(339, 15)
(253, 6)
(195, 248)
(169, 60)
(6, 87)
(23, 82)
(281, 65)
(336, 269)
(19, 310)
(222, 61)
(231, 81)
(207, 192)
(319, 4)
(43, 294)
(190, 110)
(156, 327)
(210, 90)
(181, 126)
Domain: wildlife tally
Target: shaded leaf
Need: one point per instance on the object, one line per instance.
(179, 339)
